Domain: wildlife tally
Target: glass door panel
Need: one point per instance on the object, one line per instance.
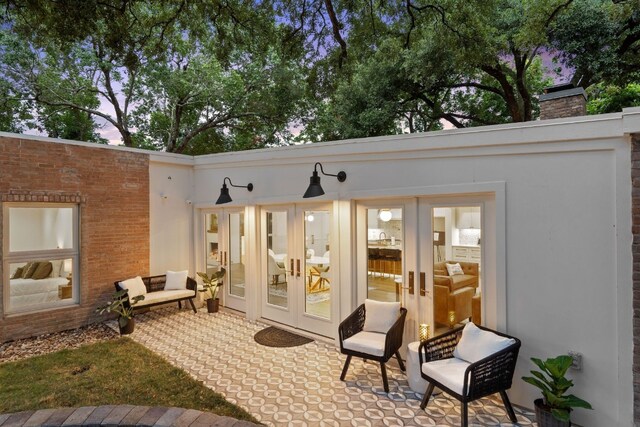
(237, 255)
(384, 253)
(212, 239)
(317, 263)
(276, 258)
(456, 266)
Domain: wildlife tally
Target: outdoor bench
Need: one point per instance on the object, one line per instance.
(156, 293)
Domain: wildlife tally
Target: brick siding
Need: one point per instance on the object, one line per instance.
(635, 200)
(569, 106)
(112, 190)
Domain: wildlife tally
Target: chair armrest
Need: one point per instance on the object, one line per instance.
(440, 347)
(445, 281)
(491, 374)
(393, 338)
(352, 324)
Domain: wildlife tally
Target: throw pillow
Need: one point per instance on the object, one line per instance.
(176, 280)
(18, 273)
(454, 269)
(380, 316)
(29, 269)
(476, 344)
(43, 270)
(135, 287)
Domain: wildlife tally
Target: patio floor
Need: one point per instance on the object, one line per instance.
(298, 386)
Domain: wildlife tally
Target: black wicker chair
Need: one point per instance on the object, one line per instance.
(393, 341)
(490, 375)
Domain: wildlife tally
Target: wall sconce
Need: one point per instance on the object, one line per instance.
(423, 332)
(315, 189)
(224, 191)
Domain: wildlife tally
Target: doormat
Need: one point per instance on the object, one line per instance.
(275, 337)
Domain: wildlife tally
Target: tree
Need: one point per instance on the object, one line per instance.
(610, 99)
(600, 40)
(412, 64)
(174, 73)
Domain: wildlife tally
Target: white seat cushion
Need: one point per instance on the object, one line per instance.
(366, 342)
(476, 344)
(380, 316)
(176, 280)
(160, 296)
(135, 287)
(448, 372)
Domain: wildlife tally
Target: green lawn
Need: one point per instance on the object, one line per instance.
(108, 373)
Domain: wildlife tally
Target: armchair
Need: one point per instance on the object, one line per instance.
(378, 339)
(469, 363)
(453, 294)
(275, 271)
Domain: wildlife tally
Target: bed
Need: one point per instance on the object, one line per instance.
(26, 292)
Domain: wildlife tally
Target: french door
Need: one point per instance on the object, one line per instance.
(298, 264)
(403, 246)
(226, 247)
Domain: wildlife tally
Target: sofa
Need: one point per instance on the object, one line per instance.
(156, 294)
(453, 295)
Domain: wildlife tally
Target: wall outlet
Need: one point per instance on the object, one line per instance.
(577, 360)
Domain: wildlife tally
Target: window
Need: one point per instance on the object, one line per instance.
(41, 253)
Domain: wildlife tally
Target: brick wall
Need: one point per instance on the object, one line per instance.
(112, 189)
(569, 106)
(635, 200)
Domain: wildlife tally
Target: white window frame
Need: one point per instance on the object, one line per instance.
(50, 254)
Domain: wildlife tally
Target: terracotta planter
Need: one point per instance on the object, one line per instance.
(213, 305)
(127, 328)
(545, 418)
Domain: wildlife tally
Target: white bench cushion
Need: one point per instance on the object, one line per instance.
(366, 342)
(161, 296)
(449, 372)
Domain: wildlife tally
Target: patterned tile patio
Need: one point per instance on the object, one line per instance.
(298, 386)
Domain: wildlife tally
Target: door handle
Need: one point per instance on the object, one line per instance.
(423, 284)
(298, 265)
(224, 258)
(292, 270)
(411, 283)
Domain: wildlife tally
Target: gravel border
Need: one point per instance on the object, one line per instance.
(49, 343)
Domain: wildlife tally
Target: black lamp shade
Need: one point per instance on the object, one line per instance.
(315, 189)
(224, 195)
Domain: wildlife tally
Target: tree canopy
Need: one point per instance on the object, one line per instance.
(223, 75)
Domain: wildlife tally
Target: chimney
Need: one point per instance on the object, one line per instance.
(563, 100)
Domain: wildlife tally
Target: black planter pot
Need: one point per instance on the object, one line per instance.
(545, 418)
(127, 328)
(213, 305)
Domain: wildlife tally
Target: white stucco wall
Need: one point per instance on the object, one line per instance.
(563, 228)
(171, 214)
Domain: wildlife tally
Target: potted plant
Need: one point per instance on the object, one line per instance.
(124, 312)
(210, 286)
(554, 409)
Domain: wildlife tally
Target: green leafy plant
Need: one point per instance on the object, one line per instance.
(553, 384)
(117, 305)
(212, 283)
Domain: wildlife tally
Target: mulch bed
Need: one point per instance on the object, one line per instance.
(49, 343)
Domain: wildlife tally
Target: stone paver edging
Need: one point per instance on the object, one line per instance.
(114, 415)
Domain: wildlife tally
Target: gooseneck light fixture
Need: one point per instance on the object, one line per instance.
(315, 189)
(224, 191)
